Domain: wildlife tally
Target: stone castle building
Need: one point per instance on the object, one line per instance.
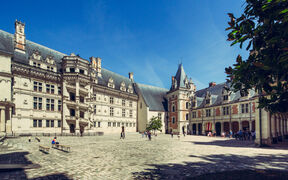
(46, 91)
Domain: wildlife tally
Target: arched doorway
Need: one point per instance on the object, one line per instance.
(199, 128)
(226, 127)
(218, 129)
(235, 127)
(194, 129)
(245, 126)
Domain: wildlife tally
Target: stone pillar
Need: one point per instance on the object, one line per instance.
(250, 125)
(222, 127)
(203, 128)
(9, 121)
(273, 126)
(240, 125)
(2, 120)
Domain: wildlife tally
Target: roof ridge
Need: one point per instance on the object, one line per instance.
(116, 73)
(42, 46)
(147, 85)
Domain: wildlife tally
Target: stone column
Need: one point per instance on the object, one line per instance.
(250, 125)
(240, 125)
(222, 127)
(273, 126)
(2, 120)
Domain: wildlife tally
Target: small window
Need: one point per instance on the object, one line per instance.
(109, 124)
(114, 124)
(130, 113)
(187, 105)
(81, 99)
(99, 124)
(111, 111)
(123, 113)
(225, 98)
(173, 108)
(72, 70)
(39, 123)
(72, 112)
(111, 100)
(123, 102)
(34, 123)
(81, 114)
(81, 71)
(59, 123)
(118, 124)
(187, 117)
(173, 120)
(47, 123)
(52, 123)
(72, 96)
(130, 103)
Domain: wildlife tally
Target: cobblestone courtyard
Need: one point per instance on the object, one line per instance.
(108, 157)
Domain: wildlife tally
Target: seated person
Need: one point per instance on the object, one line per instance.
(54, 141)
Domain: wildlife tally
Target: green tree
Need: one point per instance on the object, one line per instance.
(154, 124)
(263, 27)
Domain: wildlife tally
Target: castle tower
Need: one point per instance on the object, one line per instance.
(179, 102)
(19, 40)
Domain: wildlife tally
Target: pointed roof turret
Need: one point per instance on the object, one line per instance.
(180, 76)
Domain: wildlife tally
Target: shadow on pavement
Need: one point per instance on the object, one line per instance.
(221, 167)
(239, 143)
(13, 165)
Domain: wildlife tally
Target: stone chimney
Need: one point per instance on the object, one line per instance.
(212, 84)
(131, 76)
(96, 65)
(19, 37)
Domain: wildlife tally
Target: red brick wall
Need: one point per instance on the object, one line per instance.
(235, 109)
(218, 111)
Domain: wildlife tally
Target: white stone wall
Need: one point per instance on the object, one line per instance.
(23, 94)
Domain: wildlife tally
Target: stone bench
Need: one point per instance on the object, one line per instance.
(44, 148)
(61, 147)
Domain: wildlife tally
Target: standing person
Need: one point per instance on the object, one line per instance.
(122, 133)
(149, 135)
(171, 132)
(29, 139)
(230, 134)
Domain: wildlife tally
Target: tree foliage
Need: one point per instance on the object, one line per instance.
(154, 124)
(263, 27)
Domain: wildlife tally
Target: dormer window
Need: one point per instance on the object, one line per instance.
(36, 55)
(130, 89)
(123, 86)
(208, 98)
(225, 93)
(111, 83)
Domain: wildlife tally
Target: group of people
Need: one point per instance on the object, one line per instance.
(245, 135)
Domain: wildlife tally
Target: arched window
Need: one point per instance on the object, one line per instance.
(173, 120)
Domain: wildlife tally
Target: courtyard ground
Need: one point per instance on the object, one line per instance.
(108, 157)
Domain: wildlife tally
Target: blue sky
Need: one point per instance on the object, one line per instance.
(147, 37)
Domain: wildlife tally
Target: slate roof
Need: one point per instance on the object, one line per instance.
(154, 97)
(7, 46)
(216, 95)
